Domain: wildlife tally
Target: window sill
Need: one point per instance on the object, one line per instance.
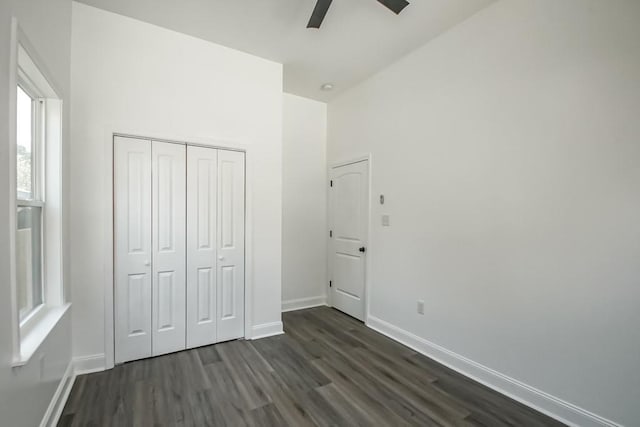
(33, 339)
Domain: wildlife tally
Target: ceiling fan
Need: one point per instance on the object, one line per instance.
(322, 6)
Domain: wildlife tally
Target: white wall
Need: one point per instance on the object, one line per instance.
(508, 152)
(26, 392)
(133, 77)
(304, 202)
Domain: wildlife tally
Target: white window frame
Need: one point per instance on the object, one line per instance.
(28, 71)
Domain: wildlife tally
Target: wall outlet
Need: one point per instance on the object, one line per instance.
(420, 306)
(386, 221)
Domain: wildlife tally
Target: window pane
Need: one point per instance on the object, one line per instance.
(24, 138)
(29, 259)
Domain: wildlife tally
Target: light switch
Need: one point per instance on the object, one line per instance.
(385, 221)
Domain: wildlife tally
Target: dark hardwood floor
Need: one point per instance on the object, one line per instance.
(328, 370)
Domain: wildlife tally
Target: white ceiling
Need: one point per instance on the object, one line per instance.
(357, 37)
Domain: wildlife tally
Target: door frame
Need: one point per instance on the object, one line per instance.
(369, 244)
(109, 254)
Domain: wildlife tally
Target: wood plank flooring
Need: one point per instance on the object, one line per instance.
(327, 370)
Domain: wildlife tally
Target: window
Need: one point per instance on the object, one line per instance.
(37, 207)
(30, 202)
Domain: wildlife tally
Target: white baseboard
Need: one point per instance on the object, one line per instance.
(266, 330)
(88, 364)
(54, 411)
(77, 366)
(539, 400)
(302, 303)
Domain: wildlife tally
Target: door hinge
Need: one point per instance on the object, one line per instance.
(330, 283)
(331, 183)
(330, 233)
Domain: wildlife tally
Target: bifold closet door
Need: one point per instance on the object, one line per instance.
(202, 190)
(215, 245)
(230, 266)
(179, 247)
(169, 247)
(133, 253)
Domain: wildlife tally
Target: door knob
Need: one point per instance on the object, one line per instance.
(220, 257)
(147, 263)
(362, 249)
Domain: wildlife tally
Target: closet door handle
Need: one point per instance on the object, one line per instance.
(221, 258)
(147, 263)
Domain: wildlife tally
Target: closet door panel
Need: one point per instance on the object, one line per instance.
(169, 247)
(202, 178)
(230, 266)
(132, 263)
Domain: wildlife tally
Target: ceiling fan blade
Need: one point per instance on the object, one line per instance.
(395, 6)
(322, 6)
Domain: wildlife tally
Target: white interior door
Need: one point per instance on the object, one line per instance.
(132, 263)
(169, 247)
(230, 263)
(349, 202)
(202, 242)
